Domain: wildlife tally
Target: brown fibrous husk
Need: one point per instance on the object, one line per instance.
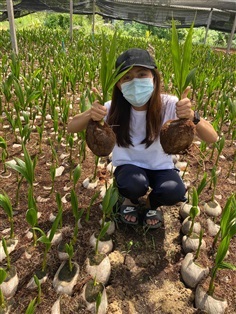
(176, 136)
(100, 138)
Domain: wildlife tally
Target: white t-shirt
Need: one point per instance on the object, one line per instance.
(153, 157)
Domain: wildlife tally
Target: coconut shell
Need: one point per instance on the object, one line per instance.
(176, 136)
(100, 138)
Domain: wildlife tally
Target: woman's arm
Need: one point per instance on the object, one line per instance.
(204, 130)
(79, 122)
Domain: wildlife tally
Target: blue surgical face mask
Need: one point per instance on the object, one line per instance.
(138, 91)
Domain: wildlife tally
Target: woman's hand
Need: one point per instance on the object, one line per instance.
(98, 112)
(183, 106)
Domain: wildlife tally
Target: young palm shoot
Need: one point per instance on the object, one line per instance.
(100, 137)
(202, 184)
(5, 203)
(4, 244)
(219, 146)
(213, 182)
(95, 168)
(38, 284)
(3, 276)
(98, 301)
(76, 213)
(219, 262)
(53, 175)
(76, 175)
(54, 153)
(26, 168)
(101, 235)
(40, 130)
(3, 146)
(47, 240)
(32, 219)
(177, 135)
(31, 307)
(108, 202)
(70, 251)
(193, 211)
(228, 220)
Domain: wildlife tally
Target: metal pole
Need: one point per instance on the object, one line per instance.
(71, 20)
(231, 35)
(10, 13)
(208, 25)
(94, 9)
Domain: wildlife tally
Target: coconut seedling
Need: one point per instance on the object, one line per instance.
(32, 219)
(38, 284)
(70, 251)
(6, 89)
(219, 146)
(47, 240)
(101, 235)
(109, 200)
(6, 204)
(3, 276)
(227, 221)
(76, 213)
(3, 146)
(67, 274)
(100, 137)
(9, 286)
(40, 130)
(31, 307)
(33, 303)
(177, 135)
(13, 122)
(212, 207)
(191, 241)
(54, 153)
(229, 225)
(205, 300)
(26, 169)
(193, 211)
(53, 175)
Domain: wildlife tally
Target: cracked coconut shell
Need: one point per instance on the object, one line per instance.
(100, 138)
(176, 136)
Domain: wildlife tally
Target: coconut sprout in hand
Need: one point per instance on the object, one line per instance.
(136, 114)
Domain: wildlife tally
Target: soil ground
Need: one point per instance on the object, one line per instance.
(145, 276)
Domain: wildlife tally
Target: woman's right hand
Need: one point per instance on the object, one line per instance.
(98, 111)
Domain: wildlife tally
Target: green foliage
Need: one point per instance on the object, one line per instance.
(227, 231)
(6, 204)
(57, 20)
(181, 57)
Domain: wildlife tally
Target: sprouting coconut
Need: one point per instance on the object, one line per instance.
(176, 136)
(100, 137)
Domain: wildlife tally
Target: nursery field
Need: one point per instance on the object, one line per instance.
(50, 180)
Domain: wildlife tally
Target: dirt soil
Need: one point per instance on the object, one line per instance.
(145, 276)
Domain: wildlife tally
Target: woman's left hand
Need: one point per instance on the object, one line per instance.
(183, 106)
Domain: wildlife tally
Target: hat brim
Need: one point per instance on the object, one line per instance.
(137, 65)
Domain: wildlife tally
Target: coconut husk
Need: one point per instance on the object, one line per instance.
(176, 136)
(100, 138)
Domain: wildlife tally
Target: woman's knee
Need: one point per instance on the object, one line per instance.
(132, 180)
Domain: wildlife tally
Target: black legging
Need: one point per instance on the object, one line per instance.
(167, 186)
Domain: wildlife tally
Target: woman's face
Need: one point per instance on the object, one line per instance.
(135, 72)
(137, 99)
